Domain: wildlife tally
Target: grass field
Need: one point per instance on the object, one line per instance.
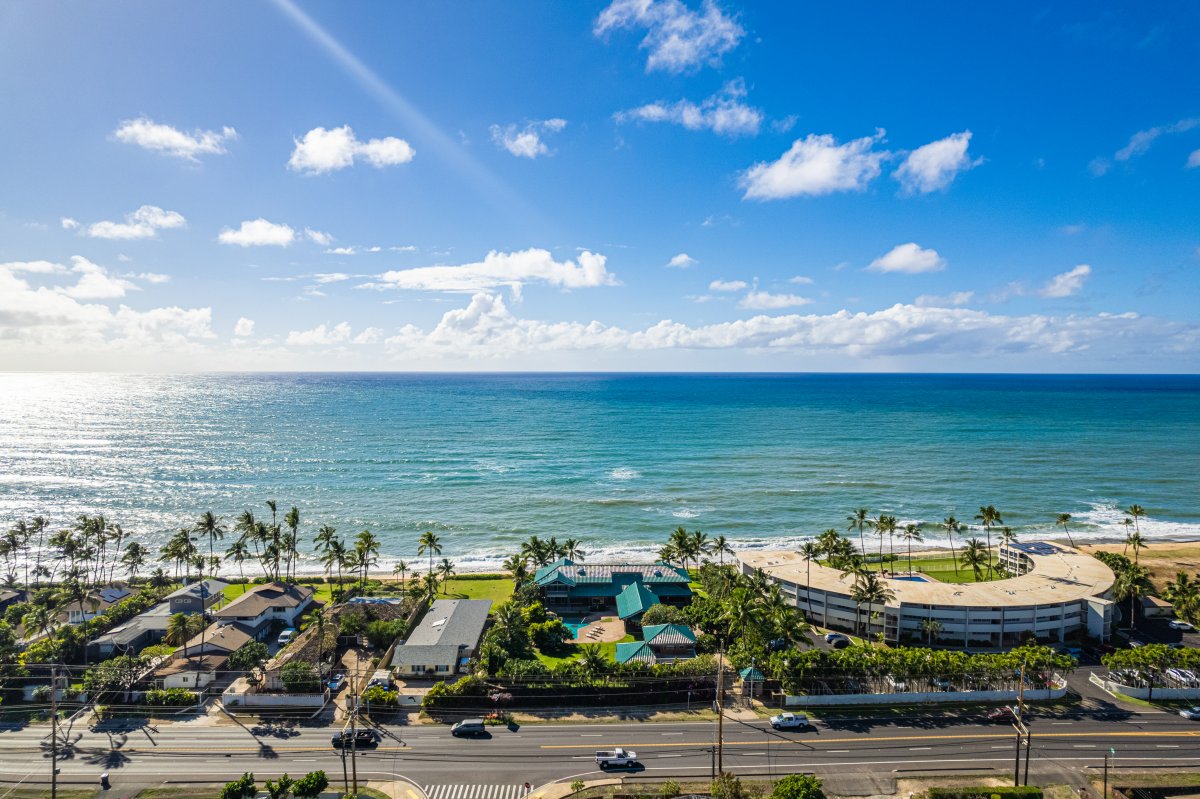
(939, 568)
(609, 650)
(324, 591)
(495, 588)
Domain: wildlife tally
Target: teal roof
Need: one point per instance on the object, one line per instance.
(668, 634)
(637, 650)
(635, 599)
(751, 673)
(571, 573)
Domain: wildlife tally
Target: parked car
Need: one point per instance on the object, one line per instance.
(1192, 713)
(941, 683)
(615, 758)
(1071, 651)
(336, 680)
(360, 738)
(1180, 624)
(840, 643)
(789, 721)
(1002, 714)
(286, 636)
(468, 728)
(1134, 643)
(832, 637)
(1177, 645)
(381, 678)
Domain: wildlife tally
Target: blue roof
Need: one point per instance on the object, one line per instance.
(636, 650)
(635, 599)
(667, 634)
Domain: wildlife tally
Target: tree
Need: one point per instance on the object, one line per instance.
(243, 788)
(431, 544)
(859, 519)
(279, 789)
(292, 520)
(663, 614)
(113, 678)
(885, 525)
(400, 570)
(1063, 520)
(310, 785)
(1184, 593)
(1135, 541)
(134, 559)
(720, 547)
(299, 677)
(209, 526)
(445, 571)
(181, 628)
(989, 517)
(798, 786)
(1132, 583)
(975, 556)
(910, 533)
(381, 633)
(573, 550)
(239, 553)
(518, 567)
(366, 546)
(1136, 512)
(250, 657)
(932, 628)
(870, 589)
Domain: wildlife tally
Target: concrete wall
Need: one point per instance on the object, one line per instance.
(1114, 687)
(923, 697)
(242, 694)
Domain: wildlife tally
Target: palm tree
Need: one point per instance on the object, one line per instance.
(239, 552)
(39, 620)
(535, 550)
(720, 547)
(1062, 521)
(1132, 583)
(910, 533)
(400, 569)
(1007, 536)
(335, 555)
(431, 544)
(292, 520)
(429, 583)
(445, 572)
(38, 528)
(1184, 594)
(699, 544)
(988, 516)
(366, 545)
(884, 525)
(321, 543)
(518, 567)
(975, 556)
(210, 527)
(573, 550)
(932, 628)
(859, 519)
(134, 559)
(181, 628)
(1136, 541)
(683, 545)
(1136, 512)
(870, 589)
(810, 551)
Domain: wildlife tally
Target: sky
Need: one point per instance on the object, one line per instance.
(626, 185)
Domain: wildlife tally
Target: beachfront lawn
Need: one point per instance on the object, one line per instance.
(324, 591)
(494, 587)
(609, 650)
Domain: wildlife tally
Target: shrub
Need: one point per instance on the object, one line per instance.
(243, 788)
(663, 614)
(278, 789)
(170, 697)
(550, 636)
(378, 695)
(669, 788)
(727, 786)
(299, 678)
(382, 633)
(577, 785)
(798, 786)
(1022, 792)
(156, 651)
(310, 785)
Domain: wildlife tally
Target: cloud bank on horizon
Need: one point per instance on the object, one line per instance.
(652, 184)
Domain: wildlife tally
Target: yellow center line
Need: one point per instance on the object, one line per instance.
(875, 738)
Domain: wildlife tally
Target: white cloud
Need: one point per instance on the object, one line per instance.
(487, 329)
(724, 113)
(34, 267)
(95, 283)
(682, 261)
(934, 166)
(258, 233)
(1066, 283)
(1140, 142)
(144, 223)
(1193, 159)
(499, 269)
(677, 39)
(318, 237)
(801, 280)
(326, 336)
(814, 166)
(1073, 230)
(909, 259)
(526, 141)
(763, 300)
(331, 277)
(150, 135)
(953, 299)
(727, 285)
(324, 150)
(243, 327)
(154, 278)
(68, 223)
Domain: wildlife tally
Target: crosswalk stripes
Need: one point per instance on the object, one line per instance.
(474, 791)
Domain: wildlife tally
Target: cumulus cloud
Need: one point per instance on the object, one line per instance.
(487, 329)
(909, 259)
(144, 223)
(724, 113)
(34, 267)
(682, 261)
(258, 233)
(1140, 142)
(94, 283)
(727, 285)
(156, 137)
(154, 278)
(330, 277)
(68, 223)
(816, 165)
(678, 39)
(934, 166)
(243, 327)
(954, 299)
(764, 301)
(525, 141)
(1067, 283)
(331, 336)
(502, 269)
(322, 150)
(317, 237)
(1193, 159)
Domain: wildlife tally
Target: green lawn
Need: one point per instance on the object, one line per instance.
(324, 591)
(496, 588)
(939, 568)
(609, 650)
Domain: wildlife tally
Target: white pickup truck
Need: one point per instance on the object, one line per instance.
(615, 758)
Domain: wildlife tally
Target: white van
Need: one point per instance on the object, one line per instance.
(286, 637)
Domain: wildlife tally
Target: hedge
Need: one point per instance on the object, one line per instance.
(1023, 792)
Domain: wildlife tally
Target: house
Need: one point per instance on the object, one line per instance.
(9, 597)
(133, 636)
(219, 638)
(662, 643)
(94, 604)
(1153, 607)
(196, 597)
(264, 604)
(446, 638)
(566, 585)
(193, 673)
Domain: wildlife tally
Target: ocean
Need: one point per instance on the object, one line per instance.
(615, 460)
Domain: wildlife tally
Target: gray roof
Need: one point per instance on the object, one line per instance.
(154, 619)
(435, 655)
(214, 587)
(457, 622)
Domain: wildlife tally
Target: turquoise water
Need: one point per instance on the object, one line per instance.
(614, 460)
(911, 578)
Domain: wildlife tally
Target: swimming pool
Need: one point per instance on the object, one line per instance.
(574, 625)
(912, 578)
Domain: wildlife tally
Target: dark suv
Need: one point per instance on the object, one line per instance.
(361, 738)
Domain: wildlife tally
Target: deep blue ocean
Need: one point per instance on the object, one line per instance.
(617, 461)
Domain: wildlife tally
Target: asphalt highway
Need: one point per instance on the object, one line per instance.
(538, 753)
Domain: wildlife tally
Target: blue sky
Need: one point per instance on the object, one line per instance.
(643, 184)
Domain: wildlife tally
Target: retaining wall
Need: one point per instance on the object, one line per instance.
(928, 697)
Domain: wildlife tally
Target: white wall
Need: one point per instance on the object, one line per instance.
(922, 697)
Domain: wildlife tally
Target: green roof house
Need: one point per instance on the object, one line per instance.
(627, 588)
(662, 643)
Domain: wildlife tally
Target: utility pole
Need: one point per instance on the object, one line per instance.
(54, 732)
(1111, 751)
(1028, 752)
(353, 739)
(720, 710)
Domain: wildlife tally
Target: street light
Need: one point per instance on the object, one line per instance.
(1112, 751)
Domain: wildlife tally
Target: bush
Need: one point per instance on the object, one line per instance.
(727, 786)
(798, 786)
(378, 695)
(170, 697)
(310, 785)
(381, 634)
(550, 636)
(577, 785)
(669, 788)
(156, 651)
(299, 678)
(251, 655)
(1023, 792)
(243, 788)
(663, 614)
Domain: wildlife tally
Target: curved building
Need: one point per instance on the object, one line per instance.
(1056, 593)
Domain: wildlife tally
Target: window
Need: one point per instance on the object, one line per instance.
(415, 667)
(443, 668)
